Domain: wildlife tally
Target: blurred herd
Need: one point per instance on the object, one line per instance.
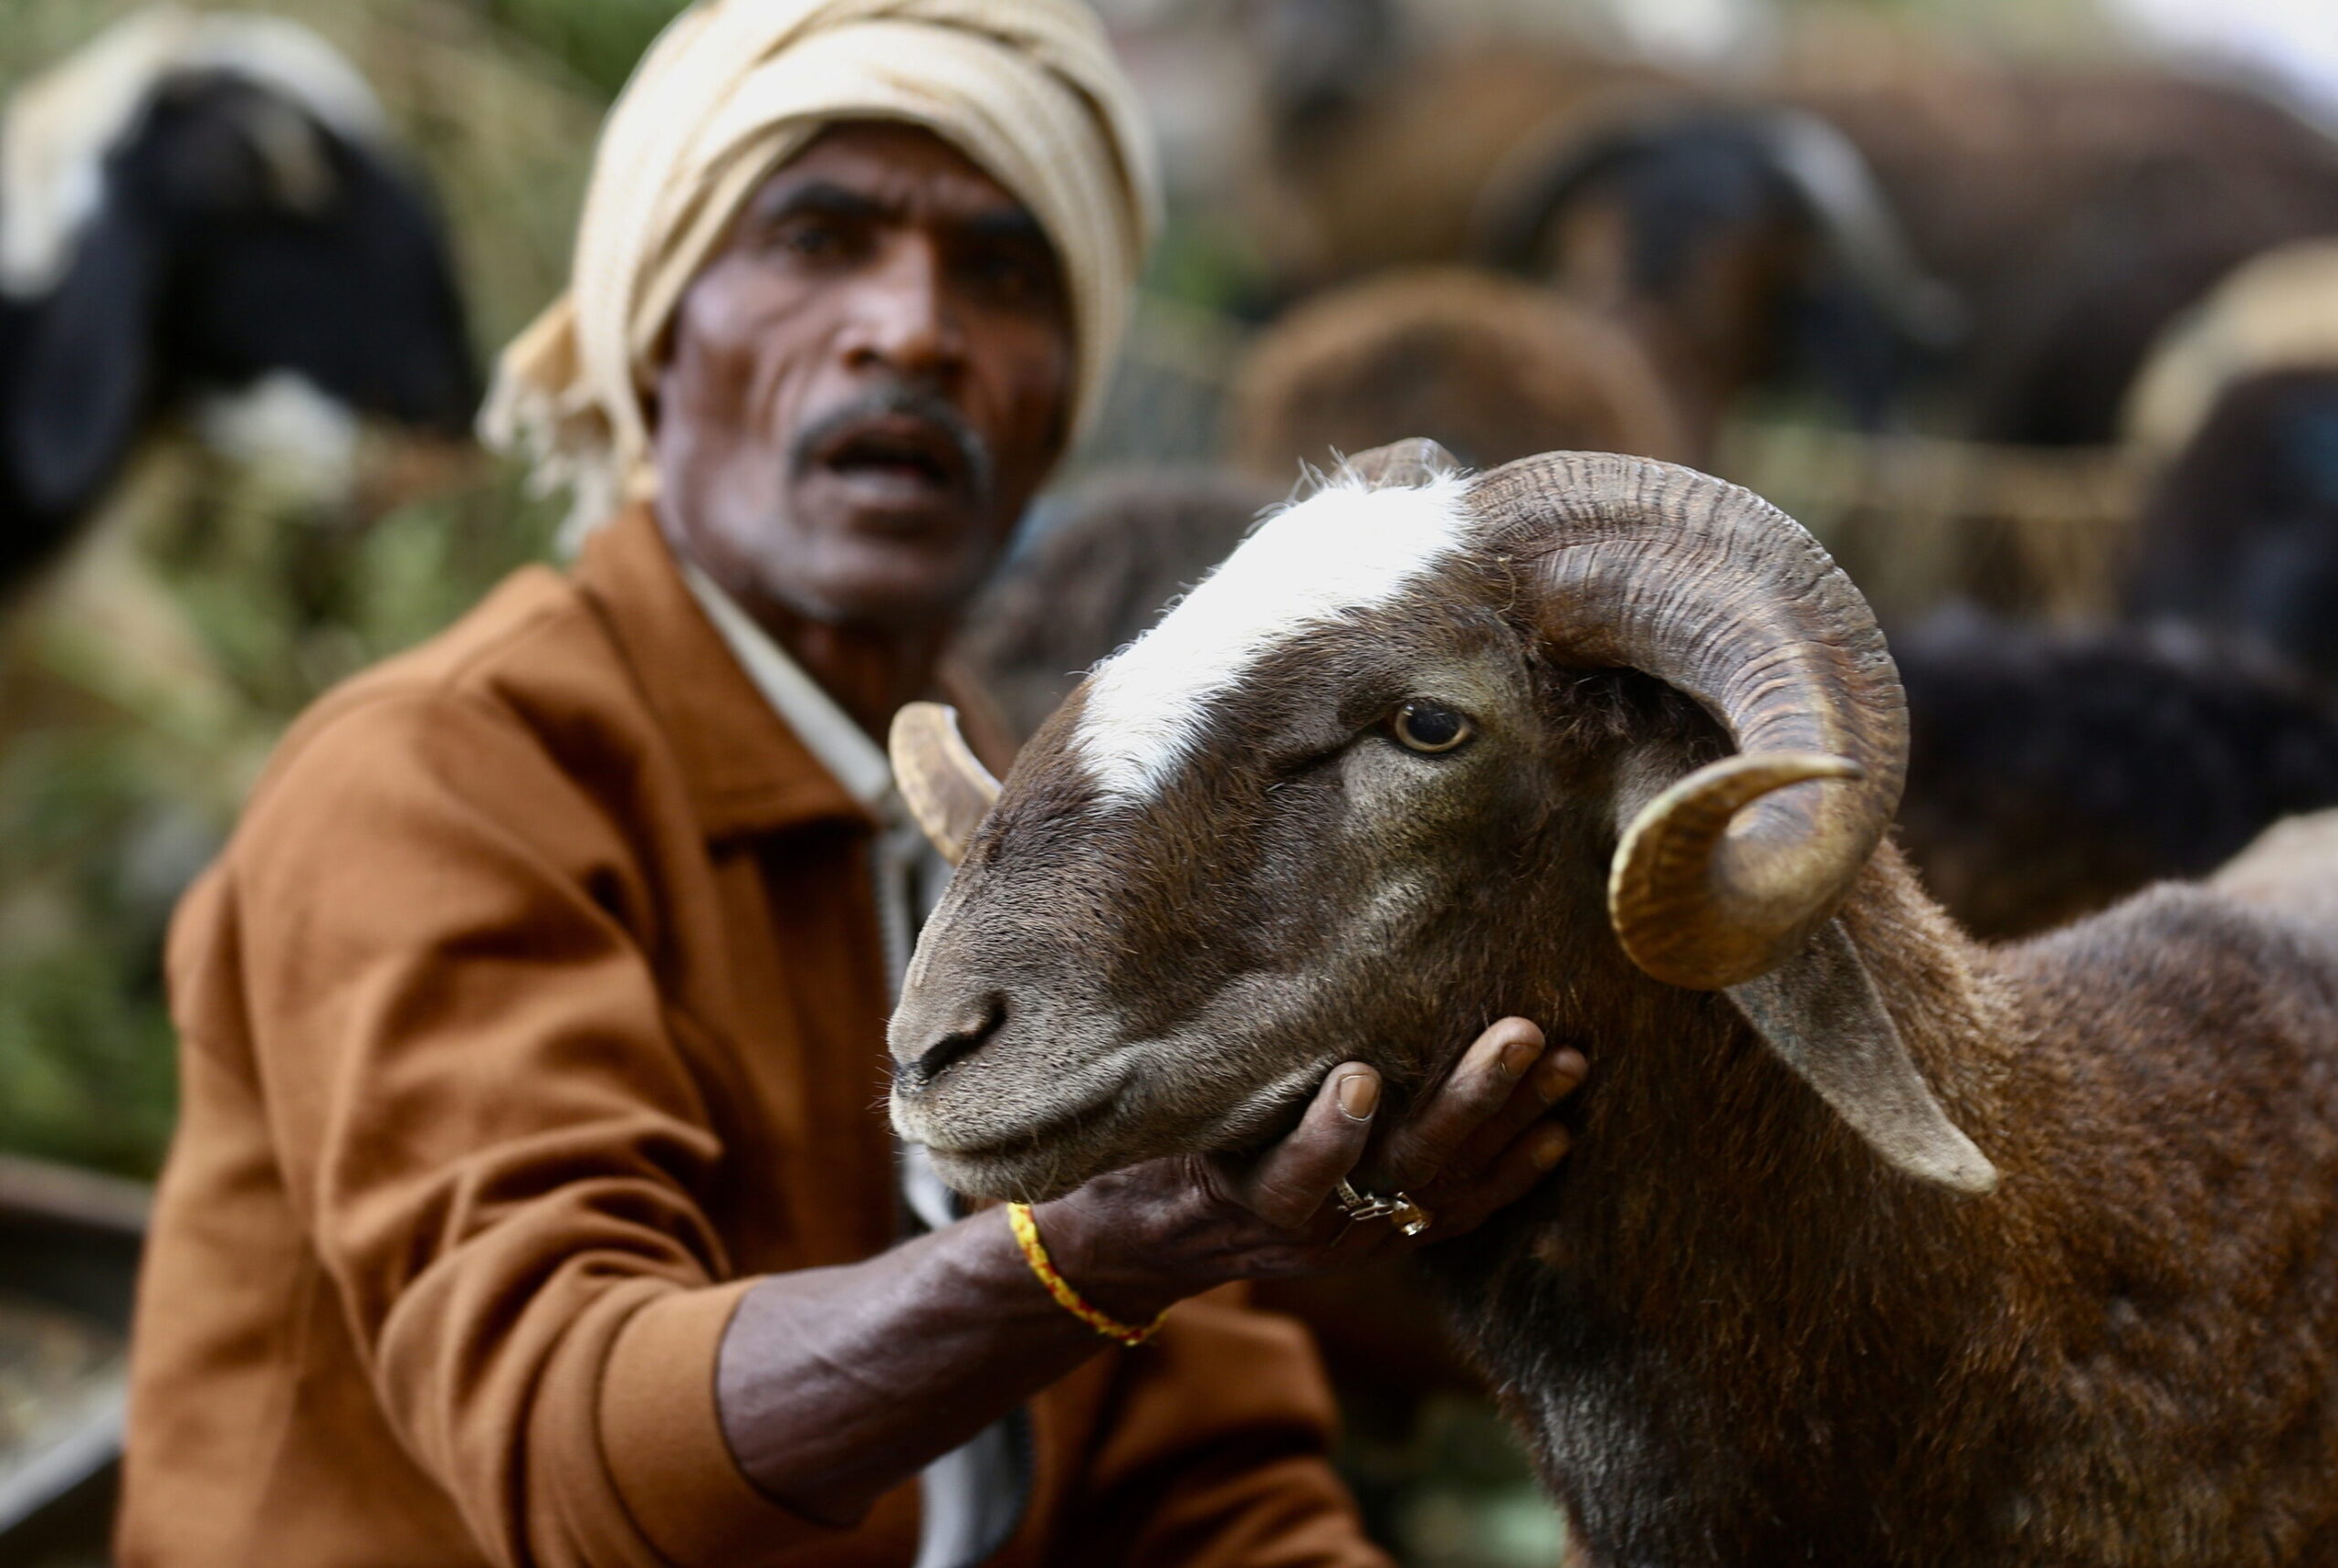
(2028, 310)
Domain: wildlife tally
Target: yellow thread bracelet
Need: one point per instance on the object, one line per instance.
(1035, 1253)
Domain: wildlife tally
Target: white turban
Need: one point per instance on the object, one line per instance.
(1027, 88)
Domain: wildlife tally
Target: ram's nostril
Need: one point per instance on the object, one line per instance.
(985, 1018)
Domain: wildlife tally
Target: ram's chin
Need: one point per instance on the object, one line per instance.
(1034, 1169)
(1026, 1175)
(1122, 1131)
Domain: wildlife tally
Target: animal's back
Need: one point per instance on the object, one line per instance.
(2184, 1330)
(2290, 869)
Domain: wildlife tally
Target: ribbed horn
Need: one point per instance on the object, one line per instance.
(944, 785)
(1631, 563)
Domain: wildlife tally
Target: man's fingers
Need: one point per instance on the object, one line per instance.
(1558, 1074)
(1488, 1076)
(1290, 1182)
(1532, 1155)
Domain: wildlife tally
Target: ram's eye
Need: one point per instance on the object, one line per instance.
(1431, 727)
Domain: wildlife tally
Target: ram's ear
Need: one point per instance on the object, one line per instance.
(1821, 1012)
(1414, 461)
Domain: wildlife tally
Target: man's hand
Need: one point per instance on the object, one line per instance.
(837, 1383)
(1138, 1240)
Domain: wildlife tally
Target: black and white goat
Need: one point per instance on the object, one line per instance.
(206, 213)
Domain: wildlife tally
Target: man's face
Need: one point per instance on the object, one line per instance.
(866, 384)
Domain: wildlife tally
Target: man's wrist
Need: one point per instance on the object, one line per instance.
(1095, 1256)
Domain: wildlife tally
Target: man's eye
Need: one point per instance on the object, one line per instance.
(810, 239)
(1007, 275)
(1430, 728)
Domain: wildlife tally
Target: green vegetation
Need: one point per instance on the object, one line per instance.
(598, 39)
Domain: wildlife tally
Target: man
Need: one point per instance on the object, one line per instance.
(531, 1204)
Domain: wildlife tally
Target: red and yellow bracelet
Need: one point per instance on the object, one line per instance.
(1035, 1253)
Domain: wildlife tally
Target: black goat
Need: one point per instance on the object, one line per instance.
(2240, 533)
(1741, 244)
(2050, 774)
(203, 270)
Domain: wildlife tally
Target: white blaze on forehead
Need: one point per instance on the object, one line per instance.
(1345, 549)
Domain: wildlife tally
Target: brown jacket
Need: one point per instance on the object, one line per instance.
(537, 1004)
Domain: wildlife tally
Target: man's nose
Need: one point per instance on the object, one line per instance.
(904, 319)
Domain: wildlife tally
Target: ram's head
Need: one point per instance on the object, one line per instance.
(1424, 749)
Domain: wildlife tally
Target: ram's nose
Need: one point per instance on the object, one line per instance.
(926, 1047)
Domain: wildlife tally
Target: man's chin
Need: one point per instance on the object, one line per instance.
(897, 568)
(903, 585)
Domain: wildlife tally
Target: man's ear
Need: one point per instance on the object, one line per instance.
(1821, 1012)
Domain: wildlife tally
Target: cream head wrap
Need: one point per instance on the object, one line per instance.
(1027, 88)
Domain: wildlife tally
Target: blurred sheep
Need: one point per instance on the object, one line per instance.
(2240, 407)
(1742, 245)
(1376, 148)
(207, 214)
(2052, 774)
(2076, 211)
(2027, 231)
(1488, 367)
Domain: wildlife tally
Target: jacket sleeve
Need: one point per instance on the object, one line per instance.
(1213, 1452)
(491, 1135)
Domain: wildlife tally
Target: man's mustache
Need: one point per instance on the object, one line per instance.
(907, 402)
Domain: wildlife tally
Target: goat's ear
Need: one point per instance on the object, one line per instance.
(1821, 1013)
(83, 372)
(1414, 461)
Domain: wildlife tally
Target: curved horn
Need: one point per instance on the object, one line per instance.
(944, 785)
(1639, 564)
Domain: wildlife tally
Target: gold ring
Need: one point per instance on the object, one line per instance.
(1410, 1217)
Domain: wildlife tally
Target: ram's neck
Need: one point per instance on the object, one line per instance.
(1709, 1251)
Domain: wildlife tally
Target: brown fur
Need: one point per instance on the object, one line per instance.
(1740, 1342)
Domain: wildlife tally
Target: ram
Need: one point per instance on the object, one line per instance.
(1878, 1245)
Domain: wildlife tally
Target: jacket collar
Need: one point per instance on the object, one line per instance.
(828, 731)
(747, 771)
